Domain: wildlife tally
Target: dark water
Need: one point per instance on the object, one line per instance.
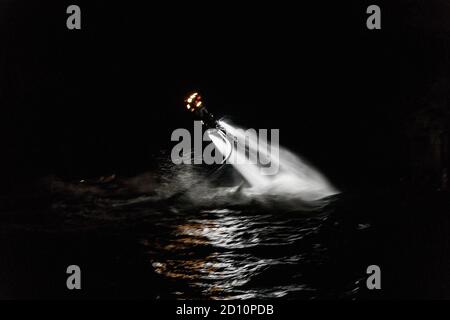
(230, 254)
(175, 251)
(132, 244)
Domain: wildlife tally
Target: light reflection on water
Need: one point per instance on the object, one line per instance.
(240, 247)
(226, 254)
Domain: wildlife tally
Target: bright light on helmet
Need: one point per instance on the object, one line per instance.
(194, 102)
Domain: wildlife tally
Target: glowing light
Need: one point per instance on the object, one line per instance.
(194, 101)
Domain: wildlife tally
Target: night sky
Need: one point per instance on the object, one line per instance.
(106, 98)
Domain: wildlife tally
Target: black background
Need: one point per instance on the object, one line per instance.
(106, 98)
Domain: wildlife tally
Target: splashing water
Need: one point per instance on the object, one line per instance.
(294, 179)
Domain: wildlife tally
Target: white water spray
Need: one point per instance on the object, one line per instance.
(295, 178)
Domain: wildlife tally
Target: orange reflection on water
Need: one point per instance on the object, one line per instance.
(205, 256)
